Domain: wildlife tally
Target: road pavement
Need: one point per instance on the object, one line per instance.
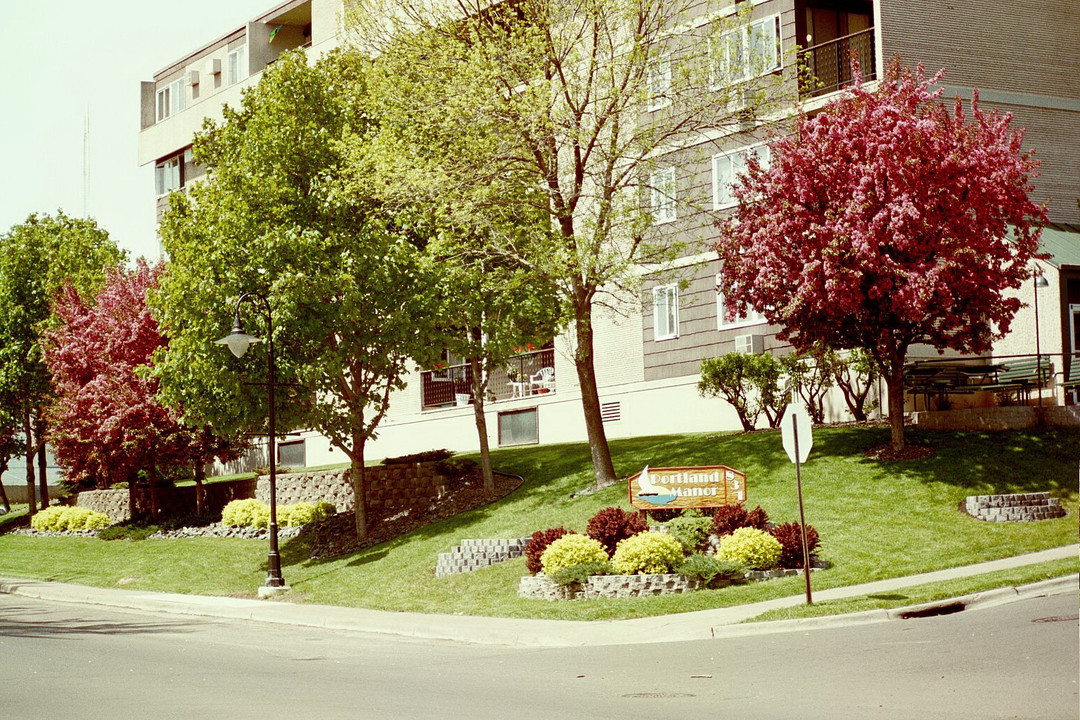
(700, 625)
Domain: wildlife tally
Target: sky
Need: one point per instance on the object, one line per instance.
(69, 63)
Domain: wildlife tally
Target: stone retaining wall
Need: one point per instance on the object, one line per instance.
(538, 587)
(388, 488)
(116, 504)
(475, 554)
(1020, 417)
(1019, 507)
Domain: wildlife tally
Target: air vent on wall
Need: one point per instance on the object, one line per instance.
(611, 411)
(749, 344)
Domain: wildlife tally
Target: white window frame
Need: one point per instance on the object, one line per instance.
(168, 176)
(658, 80)
(236, 65)
(752, 317)
(734, 54)
(665, 312)
(662, 195)
(170, 100)
(728, 167)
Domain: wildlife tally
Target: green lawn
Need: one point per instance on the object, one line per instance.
(876, 520)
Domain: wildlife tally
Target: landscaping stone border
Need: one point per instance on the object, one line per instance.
(475, 554)
(1017, 507)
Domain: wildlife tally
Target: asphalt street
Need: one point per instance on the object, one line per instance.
(69, 660)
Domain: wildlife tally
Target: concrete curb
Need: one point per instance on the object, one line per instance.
(699, 625)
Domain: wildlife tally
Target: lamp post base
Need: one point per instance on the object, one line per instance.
(268, 591)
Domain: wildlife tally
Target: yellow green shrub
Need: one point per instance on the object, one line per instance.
(246, 513)
(570, 550)
(647, 553)
(756, 549)
(61, 518)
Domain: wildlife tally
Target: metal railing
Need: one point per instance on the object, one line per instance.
(829, 64)
(523, 376)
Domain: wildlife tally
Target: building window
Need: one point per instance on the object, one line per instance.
(292, 454)
(170, 99)
(168, 176)
(746, 52)
(236, 65)
(665, 312)
(662, 195)
(519, 427)
(729, 167)
(659, 82)
(752, 317)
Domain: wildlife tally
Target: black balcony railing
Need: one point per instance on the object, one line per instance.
(527, 374)
(829, 64)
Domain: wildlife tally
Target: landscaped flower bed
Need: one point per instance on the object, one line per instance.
(620, 556)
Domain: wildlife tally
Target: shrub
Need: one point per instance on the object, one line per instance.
(425, 456)
(612, 525)
(691, 531)
(246, 513)
(709, 568)
(647, 553)
(754, 548)
(730, 518)
(303, 513)
(790, 537)
(538, 543)
(59, 519)
(454, 468)
(579, 574)
(572, 549)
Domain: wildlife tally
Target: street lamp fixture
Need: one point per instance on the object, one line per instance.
(238, 342)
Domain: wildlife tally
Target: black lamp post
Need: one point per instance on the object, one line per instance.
(239, 342)
(1040, 281)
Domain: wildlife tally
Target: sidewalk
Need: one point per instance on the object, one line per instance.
(700, 625)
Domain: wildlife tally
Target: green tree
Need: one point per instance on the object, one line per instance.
(493, 309)
(542, 105)
(350, 296)
(37, 258)
(749, 383)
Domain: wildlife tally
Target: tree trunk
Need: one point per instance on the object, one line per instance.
(479, 385)
(3, 492)
(894, 383)
(31, 494)
(603, 468)
(356, 474)
(43, 463)
(199, 472)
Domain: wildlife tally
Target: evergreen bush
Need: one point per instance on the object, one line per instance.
(572, 549)
(754, 548)
(612, 525)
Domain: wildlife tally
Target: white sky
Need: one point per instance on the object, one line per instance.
(66, 60)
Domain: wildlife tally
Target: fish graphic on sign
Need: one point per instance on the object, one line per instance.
(652, 493)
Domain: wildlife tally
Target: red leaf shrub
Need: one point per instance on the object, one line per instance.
(538, 544)
(613, 524)
(790, 537)
(729, 518)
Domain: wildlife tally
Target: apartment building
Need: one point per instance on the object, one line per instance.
(1022, 58)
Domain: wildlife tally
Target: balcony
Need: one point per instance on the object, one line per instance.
(830, 63)
(526, 375)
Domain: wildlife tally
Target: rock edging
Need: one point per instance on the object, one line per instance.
(1017, 507)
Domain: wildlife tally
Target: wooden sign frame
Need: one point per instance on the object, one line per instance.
(677, 488)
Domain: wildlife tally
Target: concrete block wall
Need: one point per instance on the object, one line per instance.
(116, 504)
(1019, 507)
(538, 587)
(475, 554)
(388, 488)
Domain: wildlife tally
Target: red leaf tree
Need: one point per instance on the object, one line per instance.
(106, 424)
(884, 221)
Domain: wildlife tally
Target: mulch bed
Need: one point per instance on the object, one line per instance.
(910, 452)
(336, 536)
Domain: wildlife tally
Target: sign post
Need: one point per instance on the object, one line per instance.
(795, 425)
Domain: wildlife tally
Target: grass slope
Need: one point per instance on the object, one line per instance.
(876, 520)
